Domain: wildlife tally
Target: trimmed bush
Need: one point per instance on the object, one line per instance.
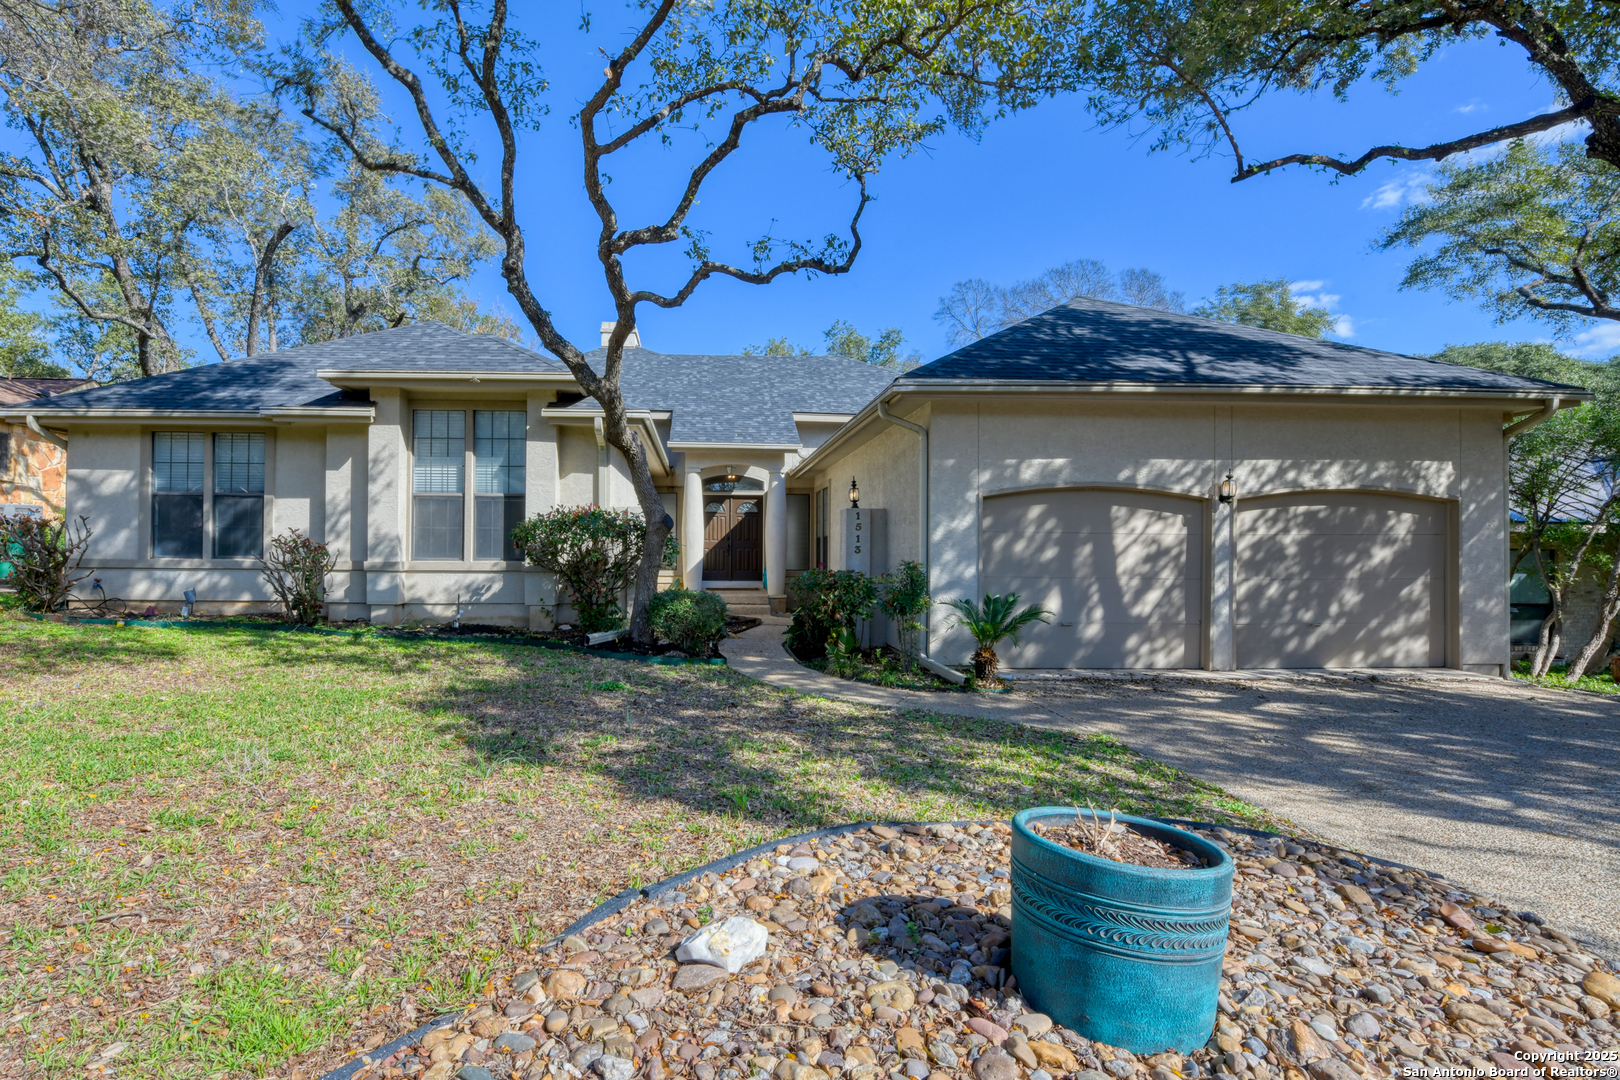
(295, 570)
(594, 552)
(695, 621)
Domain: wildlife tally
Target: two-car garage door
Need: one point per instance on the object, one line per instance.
(1322, 580)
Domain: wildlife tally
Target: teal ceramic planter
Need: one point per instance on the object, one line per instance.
(1125, 955)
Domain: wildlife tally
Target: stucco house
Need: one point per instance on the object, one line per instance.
(1179, 492)
(1182, 492)
(413, 451)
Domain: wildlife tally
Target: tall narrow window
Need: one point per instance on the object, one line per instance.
(823, 514)
(499, 446)
(177, 494)
(238, 496)
(440, 449)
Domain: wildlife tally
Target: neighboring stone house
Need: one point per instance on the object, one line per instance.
(1180, 492)
(33, 463)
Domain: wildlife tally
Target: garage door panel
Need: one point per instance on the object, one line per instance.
(1297, 555)
(1103, 599)
(1078, 555)
(1122, 571)
(1319, 599)
(1384, 516)
(1338, 644)
(1163, 644)
(1087, 512)
(1340, 580)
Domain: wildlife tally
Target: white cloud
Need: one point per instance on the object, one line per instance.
(1407, 189)
(1603, 339)
(1309, 293)
(1475, 105)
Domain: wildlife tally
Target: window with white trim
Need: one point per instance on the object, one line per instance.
(177, 494)
(500, 448)
(439, 447)
(238, 495)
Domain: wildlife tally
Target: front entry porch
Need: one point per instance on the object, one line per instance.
(750, 527)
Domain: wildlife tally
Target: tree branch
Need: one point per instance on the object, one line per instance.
(1436, 152)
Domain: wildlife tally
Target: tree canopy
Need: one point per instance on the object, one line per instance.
(147, 193)
(1270, 305)
(1189, 71)
(1533, 231)
(975, 307)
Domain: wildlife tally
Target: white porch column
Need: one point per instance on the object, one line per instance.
(776, 535)
(692, 531)
(1222, 609)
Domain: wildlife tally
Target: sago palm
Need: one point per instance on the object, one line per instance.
(991, 623)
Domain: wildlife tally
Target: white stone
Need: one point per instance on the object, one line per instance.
(1315, 965)
(804, 863)
(731, 944)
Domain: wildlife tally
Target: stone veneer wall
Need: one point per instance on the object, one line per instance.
(36, 473)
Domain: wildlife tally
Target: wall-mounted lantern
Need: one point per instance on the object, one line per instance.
(1228, 490)
(854, 495)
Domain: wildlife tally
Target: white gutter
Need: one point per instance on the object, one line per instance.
(1535, 419)
(50, 437)
(922, 505)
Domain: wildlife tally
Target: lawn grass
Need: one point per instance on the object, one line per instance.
(1601, 682)
(247, 853)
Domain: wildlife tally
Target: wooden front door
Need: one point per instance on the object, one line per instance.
(732, 538)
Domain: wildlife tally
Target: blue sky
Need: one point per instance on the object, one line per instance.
(1039, 189)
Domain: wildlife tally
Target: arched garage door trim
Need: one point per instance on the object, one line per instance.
(1339, 567)
(1146, 489)
(1126, 575)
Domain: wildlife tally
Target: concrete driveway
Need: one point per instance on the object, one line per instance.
(1509, 790)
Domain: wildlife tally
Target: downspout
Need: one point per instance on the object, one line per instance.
(50, 437)
(601, 462)
(922, 498)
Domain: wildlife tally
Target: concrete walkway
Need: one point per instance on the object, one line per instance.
(1510, 790)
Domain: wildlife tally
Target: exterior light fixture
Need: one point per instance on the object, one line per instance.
(854, 495)
(1228, 490)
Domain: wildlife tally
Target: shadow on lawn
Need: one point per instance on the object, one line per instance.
(721, 743)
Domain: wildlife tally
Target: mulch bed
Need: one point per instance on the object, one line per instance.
(887, 956)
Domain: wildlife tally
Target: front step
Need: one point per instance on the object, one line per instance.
(753, 603)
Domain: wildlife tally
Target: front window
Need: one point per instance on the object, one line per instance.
(500, 445)
(440, 448)
(177, 494)
(238, 496)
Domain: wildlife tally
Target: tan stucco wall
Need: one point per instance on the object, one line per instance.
(347, 484)
(990, 445)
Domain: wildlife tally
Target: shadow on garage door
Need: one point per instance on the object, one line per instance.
(1123, 570)
(1340, 579)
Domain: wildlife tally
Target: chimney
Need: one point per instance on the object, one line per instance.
(631, 342)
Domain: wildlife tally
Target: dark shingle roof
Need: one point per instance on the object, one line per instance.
(742, 399)
(1101, 342)
(286, 378)
(15, 391)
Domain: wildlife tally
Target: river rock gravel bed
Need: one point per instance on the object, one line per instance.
(886, 958)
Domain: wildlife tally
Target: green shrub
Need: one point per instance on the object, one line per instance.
(594, 552)
(828, 601)
(906, 600)
(696, 621)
